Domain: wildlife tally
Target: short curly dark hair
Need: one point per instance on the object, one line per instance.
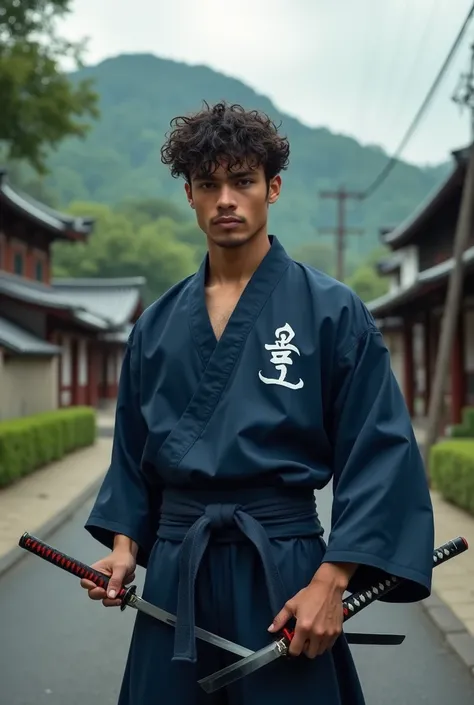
(199, 141)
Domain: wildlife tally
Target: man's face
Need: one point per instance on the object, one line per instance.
(232, 206)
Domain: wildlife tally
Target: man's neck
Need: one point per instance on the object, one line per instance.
(236, 265)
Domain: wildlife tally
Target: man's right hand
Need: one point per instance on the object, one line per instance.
(120, 565)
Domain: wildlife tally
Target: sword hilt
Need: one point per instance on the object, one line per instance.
(362, 599)
(71, 565)
(359, 600)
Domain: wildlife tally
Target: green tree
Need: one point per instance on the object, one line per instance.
(40, 105)
(117, 249)
(169, 218)
(162, 259)
(319, 255)
(147, 210)
(367, 283)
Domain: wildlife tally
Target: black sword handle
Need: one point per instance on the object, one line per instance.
(71, 565)
(359, 600)
(362, 599)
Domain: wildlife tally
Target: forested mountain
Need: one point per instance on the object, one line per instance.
(139, 94)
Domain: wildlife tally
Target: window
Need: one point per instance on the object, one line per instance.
(39, 271)
(18, 263)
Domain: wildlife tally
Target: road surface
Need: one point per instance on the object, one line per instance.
(58, 648)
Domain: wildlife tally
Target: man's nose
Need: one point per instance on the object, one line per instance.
(226, 198)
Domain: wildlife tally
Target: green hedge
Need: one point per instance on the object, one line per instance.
(30, 442)
(466, 428)
(452, 471)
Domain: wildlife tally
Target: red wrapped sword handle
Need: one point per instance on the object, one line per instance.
(360, 600)
(71, 565)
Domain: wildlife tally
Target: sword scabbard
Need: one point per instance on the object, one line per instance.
(73, 566)
(354, 604)
(359, 600)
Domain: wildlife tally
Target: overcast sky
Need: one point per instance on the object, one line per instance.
(361, 68)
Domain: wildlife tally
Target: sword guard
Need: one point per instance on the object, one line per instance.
(127, 596)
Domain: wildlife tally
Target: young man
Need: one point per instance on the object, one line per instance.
(244, 389)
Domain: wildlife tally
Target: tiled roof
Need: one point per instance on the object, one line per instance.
(30, 291)
(23, 342)
(390, 264)
(102, 304)
(39, 294)
(117, 336)
(404, 232)
(62, 224)
(383, 306)
(115, 300)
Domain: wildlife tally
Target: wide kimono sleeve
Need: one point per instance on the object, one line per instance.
(128, 501)
(382, 516)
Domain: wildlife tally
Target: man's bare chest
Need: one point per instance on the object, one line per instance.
(220, 306)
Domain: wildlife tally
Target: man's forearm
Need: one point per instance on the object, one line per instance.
(338, 573)
(125, 543)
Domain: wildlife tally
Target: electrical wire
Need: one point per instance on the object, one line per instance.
(394, 110)
(416, 120)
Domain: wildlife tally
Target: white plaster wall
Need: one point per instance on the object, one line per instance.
(111, 368)
(66, 363)
(409, 266)
(119, 361)
(394, 342)
(83, 369)
(27, 386)
(393, 286)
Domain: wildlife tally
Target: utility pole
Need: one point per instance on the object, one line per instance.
(464, 96)
(340, 231)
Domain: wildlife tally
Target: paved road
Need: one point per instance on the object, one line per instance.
(57, 648)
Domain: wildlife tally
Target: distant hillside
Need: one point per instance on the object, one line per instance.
(139, 94)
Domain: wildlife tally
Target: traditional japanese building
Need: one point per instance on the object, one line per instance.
(409, 315)
(61, 341)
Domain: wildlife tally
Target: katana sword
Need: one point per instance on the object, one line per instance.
(351, 606)
(129, 598)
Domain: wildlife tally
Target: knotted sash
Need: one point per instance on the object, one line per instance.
(193, 517)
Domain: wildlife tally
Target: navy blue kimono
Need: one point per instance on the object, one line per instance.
(219, 447)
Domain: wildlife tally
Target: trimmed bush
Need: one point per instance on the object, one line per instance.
(466, 428)
(452, 471)
(30, 442)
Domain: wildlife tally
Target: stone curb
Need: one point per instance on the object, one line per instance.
(16, 554)
(460, 641)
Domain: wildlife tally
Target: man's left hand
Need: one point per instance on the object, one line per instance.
(318, 612)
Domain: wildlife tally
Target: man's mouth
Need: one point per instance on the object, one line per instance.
(227, 219)
(228, 222)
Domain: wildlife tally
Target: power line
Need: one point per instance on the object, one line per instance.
(415, 64)
(414, 124)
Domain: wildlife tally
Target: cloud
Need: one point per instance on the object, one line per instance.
(358, 68)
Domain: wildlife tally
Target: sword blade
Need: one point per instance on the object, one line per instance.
(242, 668)
(275, 650)
(354, 604)
(153, 611)
(167, 618)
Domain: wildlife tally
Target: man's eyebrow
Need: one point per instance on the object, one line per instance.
(232, 175)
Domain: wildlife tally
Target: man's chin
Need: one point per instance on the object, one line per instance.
(230, 240)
